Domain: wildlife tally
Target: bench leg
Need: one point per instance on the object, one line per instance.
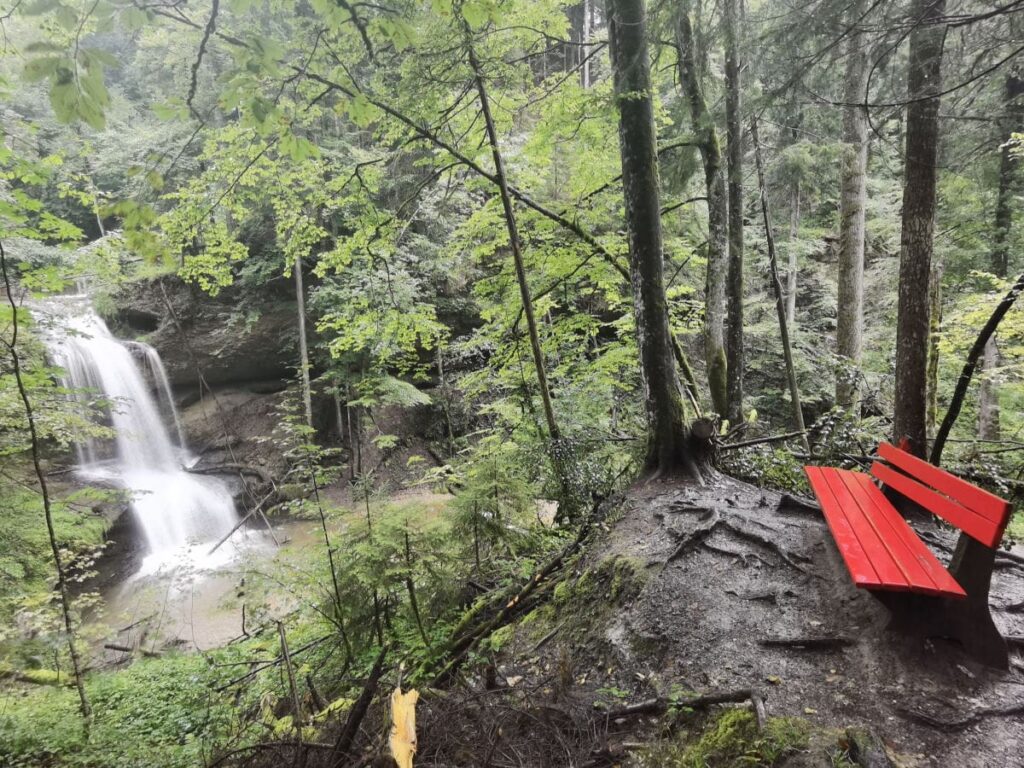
(972, 565)
(969, 621)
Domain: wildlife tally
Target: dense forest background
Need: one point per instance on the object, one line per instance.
(487, 252)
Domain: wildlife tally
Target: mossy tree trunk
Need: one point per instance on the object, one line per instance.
(718, 210)
(924, 83)
(853, 191)
(669, 440)
(734, 283)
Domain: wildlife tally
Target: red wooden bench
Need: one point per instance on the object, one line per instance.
(886, 556)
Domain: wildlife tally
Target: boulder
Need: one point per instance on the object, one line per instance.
(225, 336)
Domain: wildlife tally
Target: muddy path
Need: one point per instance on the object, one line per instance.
(729, 578)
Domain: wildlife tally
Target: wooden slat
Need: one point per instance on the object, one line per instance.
(937, 578)
(968, 521)
(986, 504)
(856, 559)
(893, 537)
(878, 556)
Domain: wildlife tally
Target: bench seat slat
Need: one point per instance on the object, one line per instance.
(863, 554)
(879, 548)
(893, 536)
(856, 559)
(933, 572)
(969, 522)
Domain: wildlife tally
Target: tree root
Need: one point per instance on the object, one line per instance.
(696, 537)
(971, 718)
(716, 520)
(808, 643)
(797, 505)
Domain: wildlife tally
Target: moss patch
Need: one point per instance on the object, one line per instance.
(729, 740)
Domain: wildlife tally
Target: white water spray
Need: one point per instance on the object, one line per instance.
(179, 513)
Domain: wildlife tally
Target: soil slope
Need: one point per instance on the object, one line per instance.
(698, 615)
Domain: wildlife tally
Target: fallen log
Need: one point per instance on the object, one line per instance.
(661, 704)
(129, 649)
(231, 468)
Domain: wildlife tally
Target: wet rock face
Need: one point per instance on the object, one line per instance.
(230, 340)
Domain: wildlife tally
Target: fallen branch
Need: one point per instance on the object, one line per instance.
(257, 510)
(347, 737)
(467, 635)
(259, 666)
(232, 468)
(762, 440)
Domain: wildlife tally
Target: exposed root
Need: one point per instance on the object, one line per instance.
(696, 537)
(808, 643)
(971, 718)
(785, 556)
(797, 505)
(715, 520)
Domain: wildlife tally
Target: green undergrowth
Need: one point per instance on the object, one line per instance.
(731, 739)
(26, 566)
(580, 602)
(1015, 530)
(169, 712)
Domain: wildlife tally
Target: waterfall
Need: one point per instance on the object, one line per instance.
(177, 511)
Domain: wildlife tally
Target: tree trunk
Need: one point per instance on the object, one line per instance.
(934, 332)
(585, 49)
(718, 211)
(988, 400)
(988, 394)
(850, 321)
(563, 461)
(300, 300)
(734, 287)
(668, 446)
(924, 82)
(1008, 181)
(773, 270)
(792, 266)
(516, 248)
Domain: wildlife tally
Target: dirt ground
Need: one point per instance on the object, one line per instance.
(700, 617)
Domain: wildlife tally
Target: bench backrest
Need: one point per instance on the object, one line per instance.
(981, 515)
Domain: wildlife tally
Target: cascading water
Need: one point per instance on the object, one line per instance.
(180, 514)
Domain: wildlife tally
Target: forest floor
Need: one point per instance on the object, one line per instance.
(685, 594)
